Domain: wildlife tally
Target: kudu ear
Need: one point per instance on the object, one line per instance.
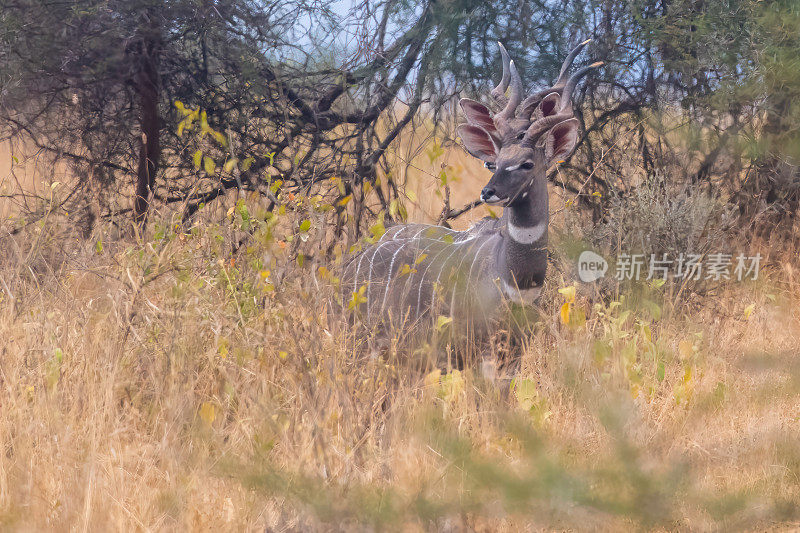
(478, 142)
(548, 106)
(560, 141)
(478, 114)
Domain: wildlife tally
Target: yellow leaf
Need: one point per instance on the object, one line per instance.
(565, 313)
(339, 185)
(634, 391)
(442, 321)
(208, 165)
(283, 355)
(230, 164)
(432, 379)
(377, 230)
(749, 311)
(452, 385)
(406, 269)
(208, 412)
(568, 293)
(197, 158)
(220, 138)
(204, 127)
(526, 393)
(357, 298)
(344, 201)
(577, 318)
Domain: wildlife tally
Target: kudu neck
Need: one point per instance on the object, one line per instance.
(524, 254)
(531, 209)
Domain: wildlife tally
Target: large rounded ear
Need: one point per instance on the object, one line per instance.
(548, 106)
(478, 142)
(478, 114)
(561, 140)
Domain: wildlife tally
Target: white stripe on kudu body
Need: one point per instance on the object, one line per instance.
(389, 278)
(422, 279)
(371, 268)
(445, 264)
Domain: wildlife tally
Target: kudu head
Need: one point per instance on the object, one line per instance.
(521, 142)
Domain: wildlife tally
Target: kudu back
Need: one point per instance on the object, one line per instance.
(416, 272)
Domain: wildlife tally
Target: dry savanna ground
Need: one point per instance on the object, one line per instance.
(169, 383)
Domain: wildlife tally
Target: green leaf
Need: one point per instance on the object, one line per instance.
(197, 158)
(305, 225)
(653, 308)
(451, 385)
(377, 230)
(208, 165)
(601, 351)
(241, 208)
(526, 393)
(230, 164)
(442, 322)
(247, 163)
(435, 151)
(220, 138)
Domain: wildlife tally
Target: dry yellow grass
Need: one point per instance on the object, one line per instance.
(161, 385)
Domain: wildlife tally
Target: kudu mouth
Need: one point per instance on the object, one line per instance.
(489, 197)
(494, 200)
(489, 194)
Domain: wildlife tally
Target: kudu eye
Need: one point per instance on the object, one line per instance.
(527, 165)
(520, 135)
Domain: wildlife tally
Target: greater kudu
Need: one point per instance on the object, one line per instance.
(418, 272)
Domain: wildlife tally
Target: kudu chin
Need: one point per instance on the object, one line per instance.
(417, 273)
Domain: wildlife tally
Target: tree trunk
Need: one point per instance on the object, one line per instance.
(146, 84)
(777, 181)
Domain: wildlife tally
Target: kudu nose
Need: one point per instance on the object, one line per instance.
(487, 193)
